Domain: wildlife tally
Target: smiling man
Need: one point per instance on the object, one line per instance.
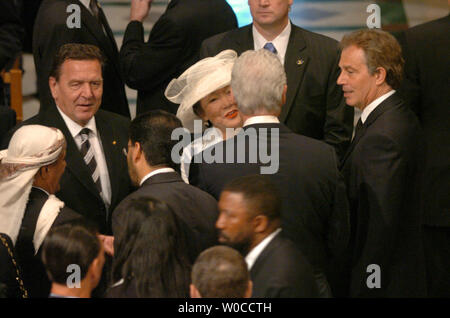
(381, 169)
(95, 179)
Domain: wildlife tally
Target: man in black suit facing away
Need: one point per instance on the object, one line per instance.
(152, 169)
(381, 169)
(56, 25)
(315, 207)
(314, 106)
(249, 220)
(95, 179)
(426, 49)
(172, 46)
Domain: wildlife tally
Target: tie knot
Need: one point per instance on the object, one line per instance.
(85, 132)
(270, 47)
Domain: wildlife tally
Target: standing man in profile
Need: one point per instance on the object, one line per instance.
(95, 179)
(172, 47)
(314, 105)
(382, 171)
(57, 24)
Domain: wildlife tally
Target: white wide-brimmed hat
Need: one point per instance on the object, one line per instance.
(201, 79)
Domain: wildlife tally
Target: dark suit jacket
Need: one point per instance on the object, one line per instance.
(78, 190)
(281, 271)
(426, 49)
(382, 173)
(315, 207)
(34, 275)
(9, 284)
(196, 209)
(11, 32)
(172, 47)
(51, 32)
(314, 103)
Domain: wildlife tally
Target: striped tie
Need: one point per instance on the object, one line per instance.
(88, 155)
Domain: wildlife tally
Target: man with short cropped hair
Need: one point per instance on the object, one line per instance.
(220, 272)
(73, 257)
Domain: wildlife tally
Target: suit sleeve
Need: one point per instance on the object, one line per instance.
(146, 65)
(338, 126)
(339, 222)
(381, 192)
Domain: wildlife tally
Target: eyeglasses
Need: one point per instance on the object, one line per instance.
(125, 152)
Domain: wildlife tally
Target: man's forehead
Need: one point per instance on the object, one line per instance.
(71, 66)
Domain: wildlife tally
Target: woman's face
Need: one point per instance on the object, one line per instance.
(219, 107)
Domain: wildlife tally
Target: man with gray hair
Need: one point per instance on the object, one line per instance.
(315, 208)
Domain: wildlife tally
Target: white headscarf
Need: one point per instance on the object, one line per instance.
(30, 148)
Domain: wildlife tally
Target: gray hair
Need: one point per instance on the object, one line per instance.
(257, 81)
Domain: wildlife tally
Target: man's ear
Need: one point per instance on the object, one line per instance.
(52, 84)
(137, 153)
(380, 75)
(194, 292)
(260, 223)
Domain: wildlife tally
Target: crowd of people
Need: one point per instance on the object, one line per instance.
(241, 175)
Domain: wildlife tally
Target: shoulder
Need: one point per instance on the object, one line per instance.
(227, 36)
(117, 119)
(316, 38)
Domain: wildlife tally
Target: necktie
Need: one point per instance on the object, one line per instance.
(88, 155)
(93, 5)
(358, 129)
(270, 47)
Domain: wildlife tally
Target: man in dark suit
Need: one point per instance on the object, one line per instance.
(249, 220)
(425, 87)
(152, 169)
(95, 179)
(314, 105)
(172, 47)
(315, 207)
(381, 169)
(57, 24)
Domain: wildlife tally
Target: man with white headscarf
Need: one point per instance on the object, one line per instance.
(30, 170)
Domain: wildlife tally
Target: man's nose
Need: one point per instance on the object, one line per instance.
(87, 90)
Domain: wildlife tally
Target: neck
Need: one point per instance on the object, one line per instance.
(270, 32)
(378, 93)
(62, 290)
(262, 113)
(148, 169)
(38, 182)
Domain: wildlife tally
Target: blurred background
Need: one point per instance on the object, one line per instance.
(333, 18)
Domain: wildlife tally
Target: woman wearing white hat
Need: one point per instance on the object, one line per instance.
(204, 94)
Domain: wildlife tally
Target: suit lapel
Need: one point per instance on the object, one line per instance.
(244, 40)
(295, 64)
(75, 163)
(110, 147)
(261, 260)
(387, 104)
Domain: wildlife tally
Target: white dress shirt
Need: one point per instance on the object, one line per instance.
(265, 119)
(280, 42)
(86, 4)
(370, 108)
(155, 172)
(257, 250)
(99, 154)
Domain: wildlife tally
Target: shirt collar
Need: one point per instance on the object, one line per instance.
(266, 119)
(155, 172)
(86, 3)
(257, 250)
(45, 191)
(371, 107)
(280, 42)
(74, 127)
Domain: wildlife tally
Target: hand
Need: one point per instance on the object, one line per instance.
(140, 9)
(108, 243)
